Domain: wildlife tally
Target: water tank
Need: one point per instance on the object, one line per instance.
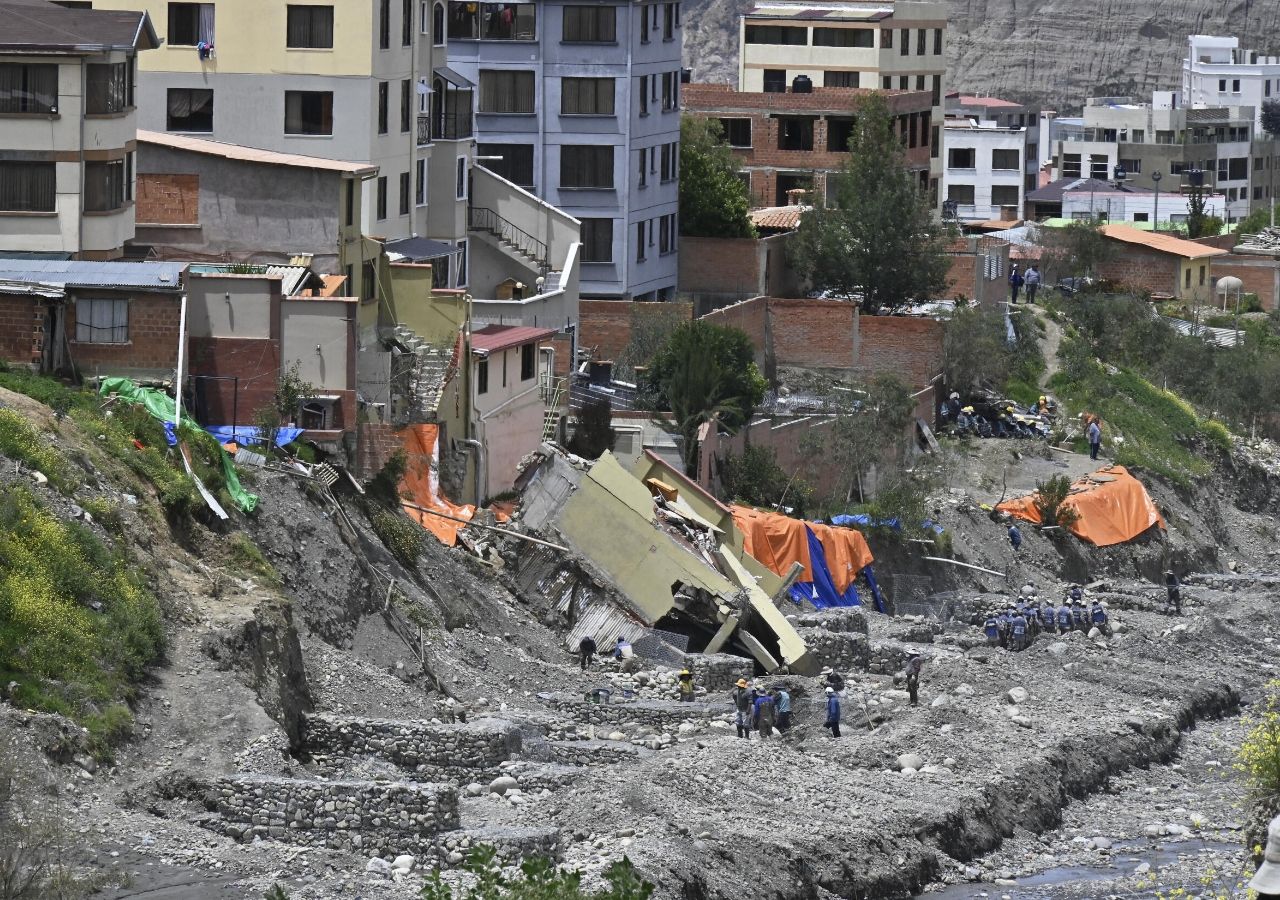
(686, 76)
(1195, 177)
(802, 84)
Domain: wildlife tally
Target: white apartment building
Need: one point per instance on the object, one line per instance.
(1217, 72)
(579, 103)
(984, 174)
(886, 44)
(69, 131)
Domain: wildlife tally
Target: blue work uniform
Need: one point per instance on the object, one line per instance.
(1064, 618)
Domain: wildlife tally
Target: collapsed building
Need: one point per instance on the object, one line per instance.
(653, 559)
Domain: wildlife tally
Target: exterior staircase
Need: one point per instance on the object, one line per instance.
(424, 375)
(553, 392)
(510, 237)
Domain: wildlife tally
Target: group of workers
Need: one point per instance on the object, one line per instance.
(760, 709)
(1017, 627)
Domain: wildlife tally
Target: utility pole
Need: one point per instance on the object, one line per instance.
(182, 345)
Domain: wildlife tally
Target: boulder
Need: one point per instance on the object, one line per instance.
(910, 761)
(378, 866)
(1017, 695)
(502, 784)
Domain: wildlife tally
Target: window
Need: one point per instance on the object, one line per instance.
(406, 23)
(482, 376)
(737, 132)
(1222, 85)
(668, 21)
(840, 79)
(937, 42)
(189, 109)
(667, 234)
(904, 45)
(462, 282)
(350, 214)
(513, 162)
(1099, 166)
(777, 34)
(384, 101)
(590, 24)
(420, 182)
(309, 27)
(1004, 195)
(1238, 168)
(109, 88)
(597, 240)
(406, 108)
(843, 37)
(586, 166)
(404, 193)
(1235, 87)
(384, 24)
(886, 38)
(190, 24)
(886, 82)
(1202, 274)
(381, 212)
(437, 25)
(839, 131)
(960, 193)
(775, 81)
(308, 112)
(1187, 282)
(904, 82)
(102, 321)
(1131, 166)
(644, 23)
(528, 358)
(644, 95)
(1071, 165)
(1004, 159)
(586, 96)
(669, 82)
(936, 99)
(921, 38)
(795, 133)
(962, 158)
(471, 21)
(28, 88)
(640, 243)
(27, 186)
(104, 186)
(668, 167)
(506, 92)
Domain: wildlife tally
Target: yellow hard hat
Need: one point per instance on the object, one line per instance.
(684, 672)
(967, 409)
(1043, 398)
(742, 682)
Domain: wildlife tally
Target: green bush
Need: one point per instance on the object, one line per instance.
(401, 535)
(105, 512)
(245, 553)
(385, 486)
(19, 441)
(1259, 756)
(77, 627)
(539, 879)
(1049, 497)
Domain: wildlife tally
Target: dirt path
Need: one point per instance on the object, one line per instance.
(1052, 341)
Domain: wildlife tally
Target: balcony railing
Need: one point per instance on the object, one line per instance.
(452, 126)
(510, 235)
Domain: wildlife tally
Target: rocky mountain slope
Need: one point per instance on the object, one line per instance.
(1051, 52)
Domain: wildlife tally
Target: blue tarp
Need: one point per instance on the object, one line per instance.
(821, 592)
(870, 574)
(250, 434)
(848, 521)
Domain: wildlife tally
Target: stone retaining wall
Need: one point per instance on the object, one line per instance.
(439, 752)
(661, 714)
(886, 660)
(538, 776)
(842, 650)
(848, 619)
(718, 671)
(395, 817)
(595, 753)
(512, 844)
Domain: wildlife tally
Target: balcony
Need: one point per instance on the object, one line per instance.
(451, 126)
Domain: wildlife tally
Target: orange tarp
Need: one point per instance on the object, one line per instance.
(1112, 505)
(777, 541)
(422, 484)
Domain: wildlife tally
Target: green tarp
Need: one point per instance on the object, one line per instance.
(160, 405)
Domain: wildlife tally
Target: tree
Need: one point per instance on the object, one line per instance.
(1257, 220)
(868, 430)
(706, 372)
(594, 433)
(755, 478)
(1198, 223)
(282, 409)
(1049, 498)
(879, 240)
(1271, 117)
(1077, 249)
(713, 199)
(975, 349)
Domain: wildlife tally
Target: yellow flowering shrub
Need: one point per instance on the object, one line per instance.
(1259, 757)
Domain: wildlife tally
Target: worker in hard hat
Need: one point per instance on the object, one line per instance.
(684, 682)
(741, 698)
(833, 713)
(763, 713)
(964, 420)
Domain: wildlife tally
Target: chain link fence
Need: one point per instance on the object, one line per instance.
(662, 646)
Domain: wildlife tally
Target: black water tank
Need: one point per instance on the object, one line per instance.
(686, 76)
(802, 84)
(1195, 177)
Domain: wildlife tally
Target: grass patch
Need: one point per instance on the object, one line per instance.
(401, 535)
(19, 441)
(77, 626)
(106, 513)
(1159, 428)
(245, 553)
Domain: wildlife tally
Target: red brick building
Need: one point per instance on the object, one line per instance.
(794, 141)
(102, 318)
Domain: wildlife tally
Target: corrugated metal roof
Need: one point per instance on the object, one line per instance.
(1219, 337)
(1164, 243)
(492, 338)
(152, 276)
(42, 26)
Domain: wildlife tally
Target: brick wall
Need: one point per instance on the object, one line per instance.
(153, 337)
(254, 361)
(816, 334)
(606, 324)
(1142, 270)
(1260, 274)
(168, 199)
(719, 265)
(376, 442)
(907, 347)
(752, 316)
(18, 317)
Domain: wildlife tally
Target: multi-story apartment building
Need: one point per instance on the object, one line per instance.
(69, 135)
(886, 44)
(362, 82)
(984, 178)
(1007, 114)
(794, 142)
(1167, 137)
(579, 103)
(1216, 72)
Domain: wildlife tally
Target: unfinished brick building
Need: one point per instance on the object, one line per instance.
(796, 140)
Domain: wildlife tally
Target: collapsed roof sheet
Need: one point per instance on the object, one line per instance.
(1112, 507)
